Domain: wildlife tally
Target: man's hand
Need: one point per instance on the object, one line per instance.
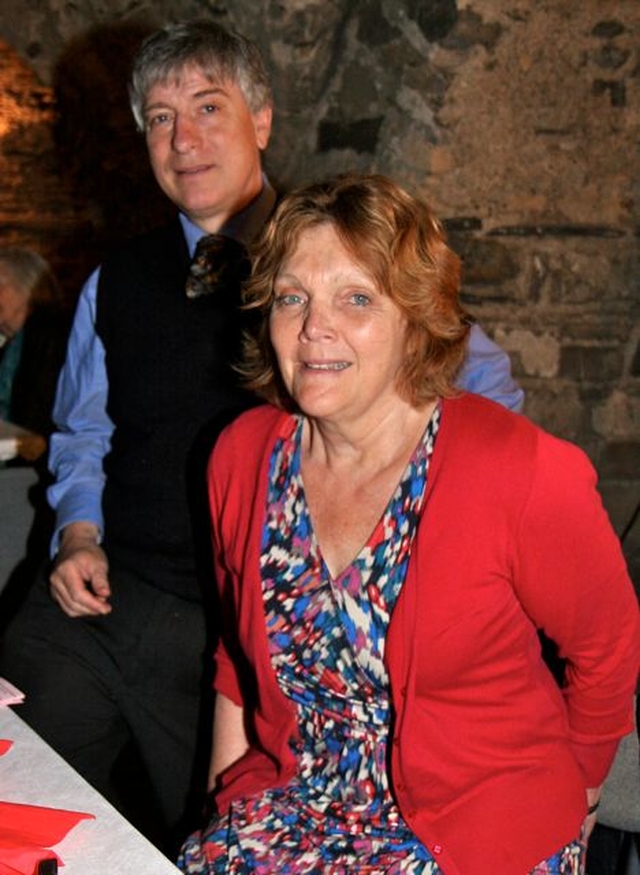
(79, 581)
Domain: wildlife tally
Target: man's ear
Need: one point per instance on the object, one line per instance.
(262, 126)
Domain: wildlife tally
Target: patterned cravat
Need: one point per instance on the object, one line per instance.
(219, 262)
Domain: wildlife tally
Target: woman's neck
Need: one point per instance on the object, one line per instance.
(369, 444)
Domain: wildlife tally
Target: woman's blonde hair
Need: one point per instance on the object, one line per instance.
(396, 238)
(31, 275)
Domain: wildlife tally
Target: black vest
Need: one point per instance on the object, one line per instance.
(171, 388)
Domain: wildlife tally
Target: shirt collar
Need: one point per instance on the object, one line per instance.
(244, 226)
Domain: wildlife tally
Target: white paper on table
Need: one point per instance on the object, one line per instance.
(10, 695)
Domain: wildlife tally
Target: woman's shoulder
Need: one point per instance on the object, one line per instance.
(489, 423)
(253, 431)
(263, 419)
(242, 452)
(505, 436)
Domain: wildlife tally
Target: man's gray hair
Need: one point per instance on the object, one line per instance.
(220, 53)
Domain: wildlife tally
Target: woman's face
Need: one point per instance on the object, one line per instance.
(14, 306)
(338, 340)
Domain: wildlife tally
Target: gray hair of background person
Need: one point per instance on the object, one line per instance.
(401, 244)
(219, 53)
(30, 274)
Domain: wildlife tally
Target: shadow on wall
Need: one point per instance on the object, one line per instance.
(102, 157)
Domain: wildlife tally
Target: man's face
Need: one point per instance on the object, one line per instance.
(204, 145)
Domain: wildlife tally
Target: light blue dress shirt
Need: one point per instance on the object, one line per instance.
(83, 438)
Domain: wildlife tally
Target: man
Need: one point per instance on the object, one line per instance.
(120, 655)
(121, 652)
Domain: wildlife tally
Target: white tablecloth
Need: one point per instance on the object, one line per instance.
(34, 774)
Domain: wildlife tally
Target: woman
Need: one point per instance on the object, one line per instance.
(387, 551)
(34, 324)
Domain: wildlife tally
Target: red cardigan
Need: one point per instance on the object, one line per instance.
(489, 759)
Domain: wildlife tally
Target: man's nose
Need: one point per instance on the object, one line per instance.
(185, 134)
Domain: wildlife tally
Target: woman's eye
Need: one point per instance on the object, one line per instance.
(287, 299)
(360, 299)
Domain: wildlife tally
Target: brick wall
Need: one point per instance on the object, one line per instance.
(518, 119)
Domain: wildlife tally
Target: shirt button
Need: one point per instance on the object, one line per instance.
(437, 849)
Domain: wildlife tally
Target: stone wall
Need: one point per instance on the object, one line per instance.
(518, 119)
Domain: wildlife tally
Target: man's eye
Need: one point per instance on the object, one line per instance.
(209, 108)
(156, 121)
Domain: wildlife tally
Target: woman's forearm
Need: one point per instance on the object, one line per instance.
(229, 737)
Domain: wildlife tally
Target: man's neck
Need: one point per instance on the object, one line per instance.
(242, 226)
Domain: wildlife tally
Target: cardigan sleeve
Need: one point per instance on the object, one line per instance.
(571, 577)
(226, 678)
(237, 477)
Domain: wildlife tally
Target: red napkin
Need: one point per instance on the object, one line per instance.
(28, 831)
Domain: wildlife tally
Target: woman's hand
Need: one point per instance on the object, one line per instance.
(593, 800)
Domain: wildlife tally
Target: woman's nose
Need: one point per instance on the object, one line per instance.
(317, 322)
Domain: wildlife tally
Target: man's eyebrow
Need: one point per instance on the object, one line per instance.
(214, 91)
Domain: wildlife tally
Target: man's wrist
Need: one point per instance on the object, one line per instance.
(80, 532)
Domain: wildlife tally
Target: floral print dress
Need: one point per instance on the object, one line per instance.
(326, 638)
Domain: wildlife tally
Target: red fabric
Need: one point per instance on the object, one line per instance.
(5, 744)
(490, 760)
(28, 831)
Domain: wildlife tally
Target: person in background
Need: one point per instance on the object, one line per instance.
(387, 548)
(34, 325)
(119, 659)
